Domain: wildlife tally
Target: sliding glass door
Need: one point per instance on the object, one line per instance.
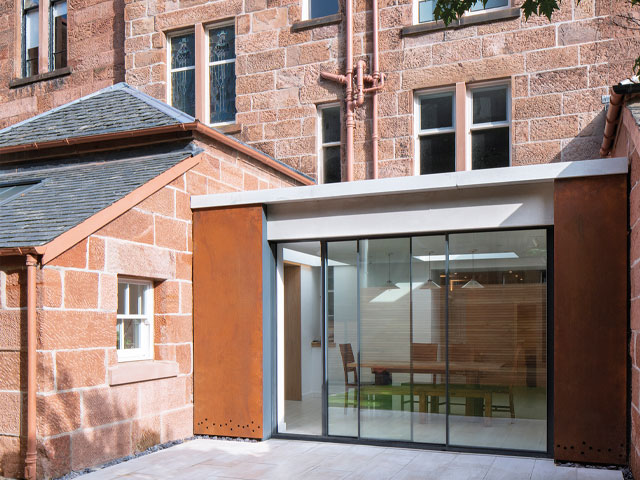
(435, 339)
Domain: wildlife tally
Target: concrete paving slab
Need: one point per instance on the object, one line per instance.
(276, 459)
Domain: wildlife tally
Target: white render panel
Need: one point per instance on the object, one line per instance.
(527, 174)
(444, 211)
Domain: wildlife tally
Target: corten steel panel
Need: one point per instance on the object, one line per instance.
(590, 320)
(227, 301)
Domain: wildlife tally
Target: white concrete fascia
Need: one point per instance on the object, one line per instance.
(527, 174)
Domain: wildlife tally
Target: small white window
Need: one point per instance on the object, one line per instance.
(319, 8)
(181, 82)
(329, 158)
(135, 320)
(423, 9)
(436, 134)
(489, 118)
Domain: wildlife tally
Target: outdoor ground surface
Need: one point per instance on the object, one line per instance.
(289, 459)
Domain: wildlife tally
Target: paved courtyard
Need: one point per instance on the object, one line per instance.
(286, 459)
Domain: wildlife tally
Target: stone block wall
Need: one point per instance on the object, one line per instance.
(83, 420)
(95, 55)
(558, 72)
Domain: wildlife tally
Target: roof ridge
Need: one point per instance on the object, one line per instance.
(117, 86)
(158, 104)
(190, 150)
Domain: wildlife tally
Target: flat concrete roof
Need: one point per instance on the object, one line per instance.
(528, 174)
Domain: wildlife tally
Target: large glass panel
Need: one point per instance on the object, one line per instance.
(31, 40)
(222, 43)
(332, 167)
(322, 8)
(438, 153)
(342, 333)
(385, 338)
(59, 35)
(428, 355)
(425, 11)
(497, 340)
(436, 111)
(490, 105)
(222, 89)
(302, 338)
(183, 48)
(183, 91)
(490, 4)
(490, 148)
(331, 122)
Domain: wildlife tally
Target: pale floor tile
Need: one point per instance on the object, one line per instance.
(598, 474)
(547, 470)
(291, 460)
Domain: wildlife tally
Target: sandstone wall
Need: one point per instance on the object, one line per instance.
(558, 72)
(83, 420)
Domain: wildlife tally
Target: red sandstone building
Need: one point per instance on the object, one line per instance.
(155, 286)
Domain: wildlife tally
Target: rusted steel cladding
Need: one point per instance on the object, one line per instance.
(227, 297)
(590, 320)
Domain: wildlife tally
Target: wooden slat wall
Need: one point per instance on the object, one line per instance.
(227, 309)
(292, 330)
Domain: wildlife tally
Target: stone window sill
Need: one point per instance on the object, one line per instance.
(229, 128)
(142, 371)
(316, 22)
(21, 82)
(465, 21)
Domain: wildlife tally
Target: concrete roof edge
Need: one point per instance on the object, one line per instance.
(527, 174)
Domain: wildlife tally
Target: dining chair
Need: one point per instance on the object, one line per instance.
(346, 352)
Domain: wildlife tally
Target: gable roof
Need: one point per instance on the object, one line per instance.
(117, 112)
(69, 192)
(117, 108)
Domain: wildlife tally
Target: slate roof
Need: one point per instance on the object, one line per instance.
(117, 108)
(70, 191)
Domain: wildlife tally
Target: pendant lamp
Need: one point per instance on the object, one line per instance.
(390, 285)
(473, 283)
(429, 284)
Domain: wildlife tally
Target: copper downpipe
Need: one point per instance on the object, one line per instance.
(611, 122)
(357, 98)
(351, 124)
(374, 100)
(30, 460)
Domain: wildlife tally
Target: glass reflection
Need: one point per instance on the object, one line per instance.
(497, 340)
(342, 342)
(302, 339)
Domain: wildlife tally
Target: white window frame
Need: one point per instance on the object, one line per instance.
(146, 332)
(321, 144)
(170, 70)
(417, 117)
(484, 126)
(208, 64)
(416, 11)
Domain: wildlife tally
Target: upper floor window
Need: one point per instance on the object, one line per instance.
(222, 74)
(182, 72)
(134, 328)
(489, 127)
(436, 132)
(479, 137)
(30, 37)
(424, 8)
(319, 8)
(329, 164)
(58, 35)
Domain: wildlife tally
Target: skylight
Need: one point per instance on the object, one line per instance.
(8, 192)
